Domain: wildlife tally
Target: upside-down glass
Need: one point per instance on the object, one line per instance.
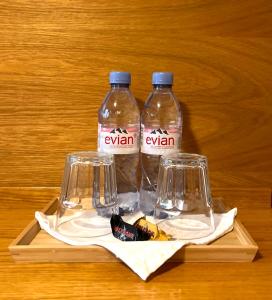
(183, 196)
(88, 195)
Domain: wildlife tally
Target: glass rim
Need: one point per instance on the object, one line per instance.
(184, 157)
(90, 156)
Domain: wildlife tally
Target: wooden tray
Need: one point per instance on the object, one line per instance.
(35, 245)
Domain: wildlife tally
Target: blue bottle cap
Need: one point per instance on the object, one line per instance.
(120, 77)
(162, 78)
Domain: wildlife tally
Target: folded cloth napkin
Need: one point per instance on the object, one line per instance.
(142, 257)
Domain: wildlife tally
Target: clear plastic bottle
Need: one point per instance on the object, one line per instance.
(161, 131)
(118, 134)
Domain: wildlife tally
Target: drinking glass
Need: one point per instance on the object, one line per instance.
(88, 195)
(184, 203)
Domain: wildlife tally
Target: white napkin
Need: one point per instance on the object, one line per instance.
(142, 257)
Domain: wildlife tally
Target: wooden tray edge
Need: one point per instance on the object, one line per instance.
(21, 252)
(33, 227)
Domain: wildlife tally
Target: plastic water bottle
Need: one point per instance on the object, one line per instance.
(161, 130)
(119, 134)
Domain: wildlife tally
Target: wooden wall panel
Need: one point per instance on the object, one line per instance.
(54, 62)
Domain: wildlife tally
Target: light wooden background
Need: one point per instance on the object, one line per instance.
(54, 62)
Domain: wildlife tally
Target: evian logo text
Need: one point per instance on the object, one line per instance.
(118, 140)
(116, 137)
(158, 140)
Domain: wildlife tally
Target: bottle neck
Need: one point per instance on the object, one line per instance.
(119, 86)
(162, 87)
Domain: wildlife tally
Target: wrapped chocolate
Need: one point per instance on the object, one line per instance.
(152, 229)
(141, 230)
(127, 232)
(148, 227)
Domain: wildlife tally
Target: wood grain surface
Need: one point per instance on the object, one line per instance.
(116, 280)
(54, 62)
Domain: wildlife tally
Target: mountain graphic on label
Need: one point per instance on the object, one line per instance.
(120, 130)
(160, 131)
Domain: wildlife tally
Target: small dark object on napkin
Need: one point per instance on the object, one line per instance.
(127, 232)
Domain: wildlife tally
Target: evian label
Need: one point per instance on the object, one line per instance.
(118, 140)
(160, 141)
